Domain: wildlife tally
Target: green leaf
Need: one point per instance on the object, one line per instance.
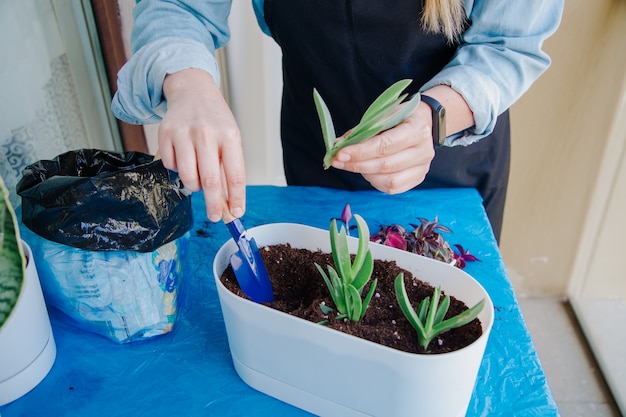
(365, 273)
(338, 294)
(405, 305)
(442, 310)
(387, 98)
(385, 112)
(334, 286)
(460, 319)
(325, 309)
(422, 309)
(401, 114)
(432, 311)
(325, 277)
(384, 122)
(355, 305)
(12, 259)
(340, 251)
(363, 248)
(328, 128)
(374, 119)
(368, 297)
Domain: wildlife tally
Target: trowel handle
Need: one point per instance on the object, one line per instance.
(235, 227)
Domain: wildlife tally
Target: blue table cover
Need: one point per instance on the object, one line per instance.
(189, 372)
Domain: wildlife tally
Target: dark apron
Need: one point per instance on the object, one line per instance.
(352, 50)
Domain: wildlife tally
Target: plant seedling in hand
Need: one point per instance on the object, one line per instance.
(347, 282)
(387, 111)
(428, 321)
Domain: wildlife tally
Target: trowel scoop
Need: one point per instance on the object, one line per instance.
(248, 265)
(246, 262)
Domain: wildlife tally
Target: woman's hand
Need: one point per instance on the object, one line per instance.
(398, 159)
(199, 138)
(395, 160)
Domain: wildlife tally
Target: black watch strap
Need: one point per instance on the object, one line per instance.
(439, 120)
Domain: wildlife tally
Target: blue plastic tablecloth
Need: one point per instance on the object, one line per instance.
(189, 372)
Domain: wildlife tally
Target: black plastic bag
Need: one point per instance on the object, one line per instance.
(100, 200)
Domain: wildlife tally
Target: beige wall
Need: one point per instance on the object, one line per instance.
(561, 128)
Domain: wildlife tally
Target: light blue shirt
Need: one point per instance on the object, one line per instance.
(499, 57)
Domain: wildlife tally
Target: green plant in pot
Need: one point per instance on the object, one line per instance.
(346, 283)
(27, 347)
(306, 364)
(12, 259)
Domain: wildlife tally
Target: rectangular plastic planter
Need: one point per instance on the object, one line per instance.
(330, 373)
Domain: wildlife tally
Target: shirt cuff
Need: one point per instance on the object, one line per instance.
(139, 98)
(481, 95)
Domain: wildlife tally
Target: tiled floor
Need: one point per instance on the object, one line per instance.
(573, 375)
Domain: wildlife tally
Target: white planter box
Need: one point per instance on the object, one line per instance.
(27, 348)
(330, 373)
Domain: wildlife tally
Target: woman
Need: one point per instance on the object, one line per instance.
(474, 58)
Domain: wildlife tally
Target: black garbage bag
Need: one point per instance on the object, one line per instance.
(100, 201)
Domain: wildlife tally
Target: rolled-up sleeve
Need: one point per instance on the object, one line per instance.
(167, 36)
(499, 58)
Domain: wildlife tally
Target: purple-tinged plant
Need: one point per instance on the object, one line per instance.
(463, 256)
(346, 214)
(394, 236)
(426, 239)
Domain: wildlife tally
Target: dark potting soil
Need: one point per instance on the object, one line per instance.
(299, 289)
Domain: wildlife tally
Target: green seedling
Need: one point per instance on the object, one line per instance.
(387, 111)
(428, 321)
(346, 283)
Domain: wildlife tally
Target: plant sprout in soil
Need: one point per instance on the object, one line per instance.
(346, 283)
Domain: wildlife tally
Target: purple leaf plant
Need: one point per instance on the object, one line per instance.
(424, 239)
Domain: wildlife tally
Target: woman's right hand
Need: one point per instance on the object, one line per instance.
(199, 138)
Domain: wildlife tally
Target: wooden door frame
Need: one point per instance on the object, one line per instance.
(109, 26)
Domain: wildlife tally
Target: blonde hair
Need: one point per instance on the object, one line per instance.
(444, 16)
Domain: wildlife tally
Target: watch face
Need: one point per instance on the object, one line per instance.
(442, 126)
(439, 120)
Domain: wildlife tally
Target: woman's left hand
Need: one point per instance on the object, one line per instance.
(397, 159)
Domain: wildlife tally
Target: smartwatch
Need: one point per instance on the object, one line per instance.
(439, 120)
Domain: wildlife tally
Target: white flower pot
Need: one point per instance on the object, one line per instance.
(27, 348)
(330, 373)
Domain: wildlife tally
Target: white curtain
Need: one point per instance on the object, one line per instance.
(40, 116)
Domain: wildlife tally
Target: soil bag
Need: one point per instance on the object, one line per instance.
(100, 200)
(109, 232)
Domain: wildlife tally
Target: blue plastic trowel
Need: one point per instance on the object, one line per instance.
(247, 262)
(248, 265)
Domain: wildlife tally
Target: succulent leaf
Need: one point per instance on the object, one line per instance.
(387, 111)
(365, 273)
(428, 321)
(328, 129)
(347, 282)
(12, 259)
